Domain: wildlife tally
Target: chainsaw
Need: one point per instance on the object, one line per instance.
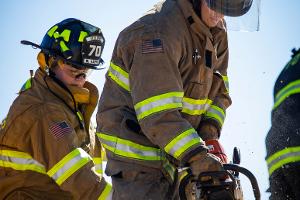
(213, 185)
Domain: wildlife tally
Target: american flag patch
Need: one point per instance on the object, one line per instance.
(152, 46)
(60, 129)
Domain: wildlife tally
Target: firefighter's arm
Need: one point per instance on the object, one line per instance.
(157, 93)
(65, 162)
(213, 119)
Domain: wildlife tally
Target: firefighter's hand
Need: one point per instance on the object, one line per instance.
(204, 162)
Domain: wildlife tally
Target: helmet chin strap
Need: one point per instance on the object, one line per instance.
(197, 7)
(61, 84)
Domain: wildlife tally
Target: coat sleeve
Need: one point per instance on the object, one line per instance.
(72, 168)
(212, 122)
(156, 89)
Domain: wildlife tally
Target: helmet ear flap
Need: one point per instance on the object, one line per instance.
(42, 60)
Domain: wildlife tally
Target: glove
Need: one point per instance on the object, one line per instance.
(201, 162)
(204, 162)
(214, 147)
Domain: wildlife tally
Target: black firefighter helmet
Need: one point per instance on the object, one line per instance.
(76, 42)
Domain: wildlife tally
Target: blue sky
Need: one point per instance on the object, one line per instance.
(256, 59)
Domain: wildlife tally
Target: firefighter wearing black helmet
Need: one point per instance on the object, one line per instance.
(283, 139)
(47, 150)
(165, 98)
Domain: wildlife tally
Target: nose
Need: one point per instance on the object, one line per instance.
(218, 15)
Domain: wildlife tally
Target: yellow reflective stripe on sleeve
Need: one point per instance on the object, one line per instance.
(69, 165)
(20, 161)
(107, 193)
(169, 168)
(98, 165)
(120, 76)
(216, 113)
(129, 149)
(182, 143)
(283, 157)
(158, 103)
(226, 82)
(290, 89)
(195, 106)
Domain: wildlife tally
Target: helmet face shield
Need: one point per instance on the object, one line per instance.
(239, 15)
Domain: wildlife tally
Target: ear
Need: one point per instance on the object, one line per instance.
(60, 63)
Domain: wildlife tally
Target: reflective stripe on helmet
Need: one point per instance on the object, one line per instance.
(182, 142)
(52, 30)
(120, 76)
(158, 103)
(71, 163)
(106, 193)
(195, 106)
(20, 161)
(283, 157)
(82, 35)
(65, 35)
(63, 46)
(216, 113)
(290, 89)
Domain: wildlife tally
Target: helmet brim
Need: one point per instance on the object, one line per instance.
(51, 53)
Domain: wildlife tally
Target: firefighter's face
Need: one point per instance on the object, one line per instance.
(210, 17)
(70, 75)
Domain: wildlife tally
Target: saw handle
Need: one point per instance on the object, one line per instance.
(246, 172)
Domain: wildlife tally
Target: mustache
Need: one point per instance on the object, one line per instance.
(81, 74)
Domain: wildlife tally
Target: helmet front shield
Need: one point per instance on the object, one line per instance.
(239, 15)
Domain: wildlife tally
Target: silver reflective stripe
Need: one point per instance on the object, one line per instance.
(287, 90)
(216, 113)
(67, 166)
(106, 193)
(158, 103)
(194, 109)
(128, 148)
(283, 157)
(290, 89)
(20, 161)
(98, 168)
(120, 76)
(180, 143)
(291, 154)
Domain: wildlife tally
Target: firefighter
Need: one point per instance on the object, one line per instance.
(165, 97)
(283, 139)
(46, 149)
